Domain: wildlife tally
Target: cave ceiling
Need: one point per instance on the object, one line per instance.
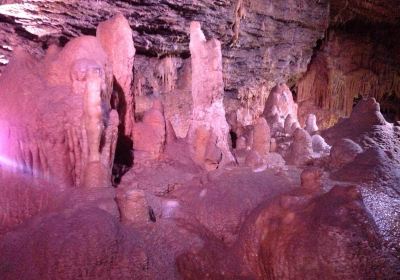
(264, 41)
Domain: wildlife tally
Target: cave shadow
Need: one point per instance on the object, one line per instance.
(123, 159)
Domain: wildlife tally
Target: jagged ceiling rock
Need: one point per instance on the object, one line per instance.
(263, 41)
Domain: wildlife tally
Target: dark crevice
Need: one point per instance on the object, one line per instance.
(123, 160)
(234, 137)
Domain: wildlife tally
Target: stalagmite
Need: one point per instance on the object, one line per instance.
(208, 117)
(261, 137)
(290, 123)
(150, 135)
(311, 124)
(300, 150)
(115, 36)
(319, 145)
(280, 110)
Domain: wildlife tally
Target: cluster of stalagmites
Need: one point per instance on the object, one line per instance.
(279, 132)
(60, 121)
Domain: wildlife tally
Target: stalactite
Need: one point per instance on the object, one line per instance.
(167, 72)
(252, 100)
(239, 14)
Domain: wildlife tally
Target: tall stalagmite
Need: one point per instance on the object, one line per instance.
(208, 134)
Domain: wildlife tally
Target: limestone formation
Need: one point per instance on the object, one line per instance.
(287, 229)
(115, 36)
(70, 134)
(261, 137)
(290, 124)
(150, 135)
(337, 79)
(208, 117)
(85, 129)
(366, 114)
(133, 206)
(343, 152)
(319, 145)
(214, 173)
(280, 102)
(300, 150)
(253, 159)
(90, 236)
(311, 124)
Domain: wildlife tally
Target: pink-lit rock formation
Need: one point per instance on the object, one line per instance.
(284, 241)
(167, 123)
(278, 107)
(71, 127)
(374, 155)
(348, 67)
(311, 124)
(78, 141)
(311, 179)
(94, 246)
(300, 150)
(149, 135)
(115, 36)
(344, 152)
(209, 130)
(261, 137)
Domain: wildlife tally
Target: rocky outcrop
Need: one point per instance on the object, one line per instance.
(288, 230)
(189, 108)
(372, 160)
(344, 151)
(279, 106)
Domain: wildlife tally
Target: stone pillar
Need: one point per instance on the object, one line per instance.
(115, 36)
(208, 117)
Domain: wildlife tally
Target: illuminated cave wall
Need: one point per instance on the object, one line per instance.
(359, 57)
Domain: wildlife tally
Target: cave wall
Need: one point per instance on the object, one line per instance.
(354, 61)
(359, 57)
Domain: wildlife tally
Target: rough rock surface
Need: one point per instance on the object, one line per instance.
(376, 168)
(261, 137)
(93, 245)
(344, 152)
(284, 241)
(319, 145)
(279, 105)
(149, 135)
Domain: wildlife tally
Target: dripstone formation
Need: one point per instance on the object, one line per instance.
(201, 140)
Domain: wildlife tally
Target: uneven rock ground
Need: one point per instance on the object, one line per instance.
(236, 223)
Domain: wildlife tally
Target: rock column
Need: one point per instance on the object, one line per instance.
(209, 127)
